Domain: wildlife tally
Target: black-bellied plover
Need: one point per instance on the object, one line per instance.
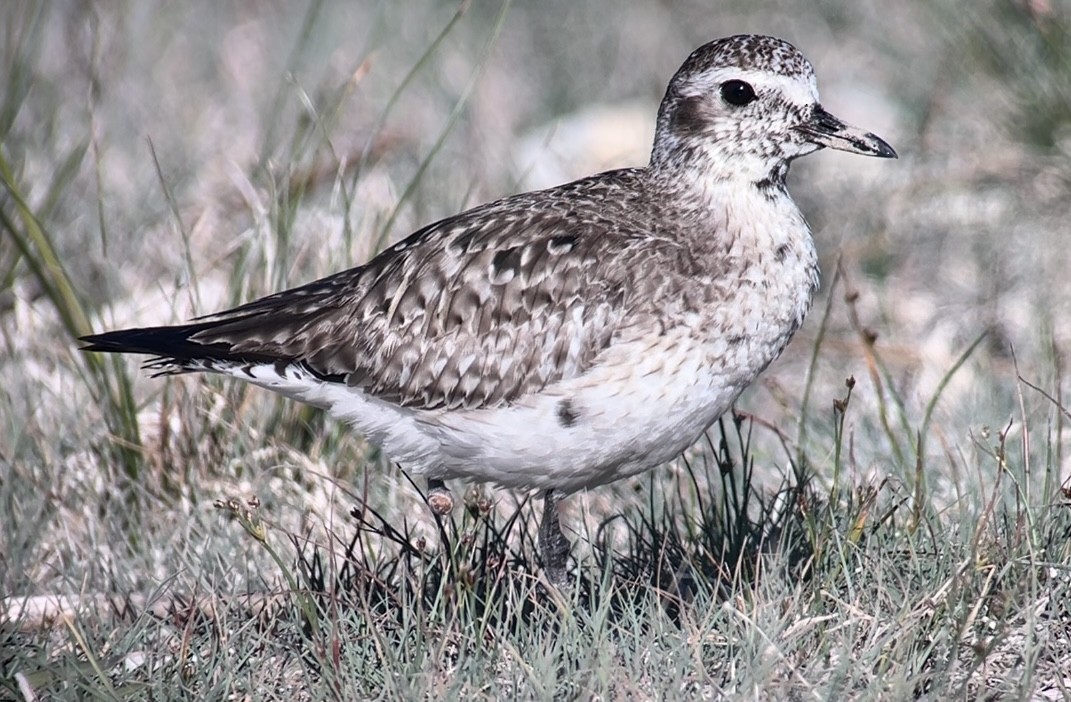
(566, 338)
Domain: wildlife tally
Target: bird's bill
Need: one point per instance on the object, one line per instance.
(824, 129)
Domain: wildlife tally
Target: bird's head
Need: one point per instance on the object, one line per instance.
(743, 107)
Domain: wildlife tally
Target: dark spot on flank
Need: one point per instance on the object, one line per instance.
(781, 253)
(735, 340)
(567, 415)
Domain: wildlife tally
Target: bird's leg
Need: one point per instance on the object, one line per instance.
(552, 542)
(440, 499)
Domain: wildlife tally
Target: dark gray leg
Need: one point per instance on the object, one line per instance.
(440, 499)
(552, 542)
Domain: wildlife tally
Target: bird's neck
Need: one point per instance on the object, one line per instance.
(737, 221)
(706, 164)
(750, 240)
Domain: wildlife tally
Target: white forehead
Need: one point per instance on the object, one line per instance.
(798, 89)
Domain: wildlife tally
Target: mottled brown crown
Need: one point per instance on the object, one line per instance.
(748, 51)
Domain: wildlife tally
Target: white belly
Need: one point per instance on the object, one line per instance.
(639, 408)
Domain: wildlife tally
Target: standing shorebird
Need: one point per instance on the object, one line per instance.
(566, 338)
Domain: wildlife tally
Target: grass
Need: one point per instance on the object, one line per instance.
(885, 516)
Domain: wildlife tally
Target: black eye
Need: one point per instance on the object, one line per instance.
(737, 92)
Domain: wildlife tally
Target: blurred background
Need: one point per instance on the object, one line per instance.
(181, 157)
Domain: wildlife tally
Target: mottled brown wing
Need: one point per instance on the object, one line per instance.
(474, 311)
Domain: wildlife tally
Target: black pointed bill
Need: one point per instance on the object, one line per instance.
(824, 129)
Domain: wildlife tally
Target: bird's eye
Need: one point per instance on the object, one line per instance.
(737, 92)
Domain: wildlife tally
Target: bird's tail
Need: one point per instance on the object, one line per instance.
(173, 348)
(273, 329)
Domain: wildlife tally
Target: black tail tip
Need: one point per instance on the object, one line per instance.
(99, 342)
(151, 340)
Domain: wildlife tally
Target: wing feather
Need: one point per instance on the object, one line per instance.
(474, 311)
